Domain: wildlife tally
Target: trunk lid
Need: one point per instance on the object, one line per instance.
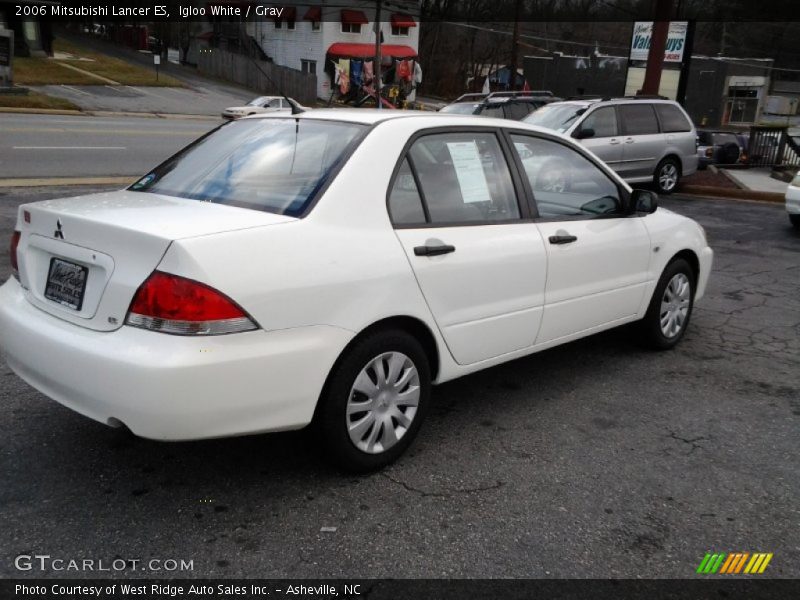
(107, 245)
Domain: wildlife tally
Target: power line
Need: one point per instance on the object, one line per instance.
(533, 37)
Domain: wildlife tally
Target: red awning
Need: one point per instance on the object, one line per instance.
(313, 14)
(368, 50)
(401, 20)
(354, 17)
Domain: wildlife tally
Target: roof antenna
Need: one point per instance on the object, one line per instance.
(296, 108)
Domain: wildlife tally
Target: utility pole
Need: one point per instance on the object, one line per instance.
(686, 64)
(515, 46)
(658, 43)
(378, 81)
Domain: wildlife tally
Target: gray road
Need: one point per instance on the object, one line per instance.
(596, 459)
(77, 146)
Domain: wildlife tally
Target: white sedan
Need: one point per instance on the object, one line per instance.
(793, 201)
(262, 104)
(327, 268)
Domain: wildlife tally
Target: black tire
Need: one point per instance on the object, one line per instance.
(795, 219)
(650, 327)
(331, 420)
(729, 154)
(668, 166)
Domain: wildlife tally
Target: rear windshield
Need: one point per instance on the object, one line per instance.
(274, 165)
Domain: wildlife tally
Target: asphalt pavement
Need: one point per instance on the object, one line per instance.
(595, 459)
(48, 146)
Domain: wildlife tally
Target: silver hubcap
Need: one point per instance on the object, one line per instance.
(382, 402)
(675, 305)
(668, 177)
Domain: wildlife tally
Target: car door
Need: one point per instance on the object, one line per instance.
(605, 140)
(642, 142)
(597, 253)
(479, 262)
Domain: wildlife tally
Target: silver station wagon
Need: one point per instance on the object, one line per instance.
(643, 139)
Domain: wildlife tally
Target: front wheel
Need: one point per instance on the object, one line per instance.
(667, 176)
(375, 401)
(670, 309)
(795, 219)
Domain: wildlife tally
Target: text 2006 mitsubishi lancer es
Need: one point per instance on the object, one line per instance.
(327, 268)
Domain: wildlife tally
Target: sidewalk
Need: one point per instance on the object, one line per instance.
(758, 180)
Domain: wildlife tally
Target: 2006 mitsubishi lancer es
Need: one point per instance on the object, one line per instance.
(327, 268)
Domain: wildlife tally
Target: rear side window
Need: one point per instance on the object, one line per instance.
(464, 178)
(405, 203)
(603, 121)
(672, 118)
(638, 119)
(274, 165)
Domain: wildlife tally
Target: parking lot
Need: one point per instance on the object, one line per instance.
(594, 459)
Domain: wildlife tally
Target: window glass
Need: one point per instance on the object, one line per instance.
(405, 204)
(565, 183)
(672, 118)
(464, 178)
(496, 112)
(517, 110)
(275, 165)
(724, 138)
(603, 121)
(559, 116)
(461, 108)
(638, 119)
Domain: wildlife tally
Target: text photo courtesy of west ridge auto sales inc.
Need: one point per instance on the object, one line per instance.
(399, 299)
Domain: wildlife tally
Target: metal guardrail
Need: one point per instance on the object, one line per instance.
(772, 147)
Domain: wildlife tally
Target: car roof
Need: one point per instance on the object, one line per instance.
(371, 116)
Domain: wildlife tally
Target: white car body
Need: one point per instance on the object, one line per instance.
(257, 106)
(313, 284)
(793, 197)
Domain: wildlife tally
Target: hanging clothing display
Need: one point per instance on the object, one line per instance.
(344, 75)
(356, 69)
(404, 71)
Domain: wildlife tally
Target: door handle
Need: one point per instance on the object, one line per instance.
(614, 141)
(629, 140)
(562, 239)
(433, 250)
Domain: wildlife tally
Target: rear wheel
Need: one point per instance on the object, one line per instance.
(670, 309)
(795, 219)
(667, 176)
(374, 402)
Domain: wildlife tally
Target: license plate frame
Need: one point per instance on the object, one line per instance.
(66, 283)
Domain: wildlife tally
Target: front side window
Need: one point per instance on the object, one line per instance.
(496, 112)
(464, 178)
(603, 121)
(274, 165)
(566, 184)
(672, 118)
(638, 119)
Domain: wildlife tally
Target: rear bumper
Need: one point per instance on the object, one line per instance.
(170, 387)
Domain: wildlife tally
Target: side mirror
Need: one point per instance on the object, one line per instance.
(582, 134)
(644, 201)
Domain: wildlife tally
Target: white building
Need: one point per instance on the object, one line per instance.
(306, 36)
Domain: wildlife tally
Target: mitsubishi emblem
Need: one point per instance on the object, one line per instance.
(58, 234)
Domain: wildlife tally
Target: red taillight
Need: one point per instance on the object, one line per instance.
(173, 304)
(709, 152)
(12, 253)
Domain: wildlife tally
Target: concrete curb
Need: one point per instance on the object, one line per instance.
(40, 111)
(730, 193)
(105, 113)
(63, 181)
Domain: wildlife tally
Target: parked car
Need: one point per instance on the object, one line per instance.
(793, 201)
(721, 148)
(643, 139)
(262, 104)
(253, 283)
(500, 105)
